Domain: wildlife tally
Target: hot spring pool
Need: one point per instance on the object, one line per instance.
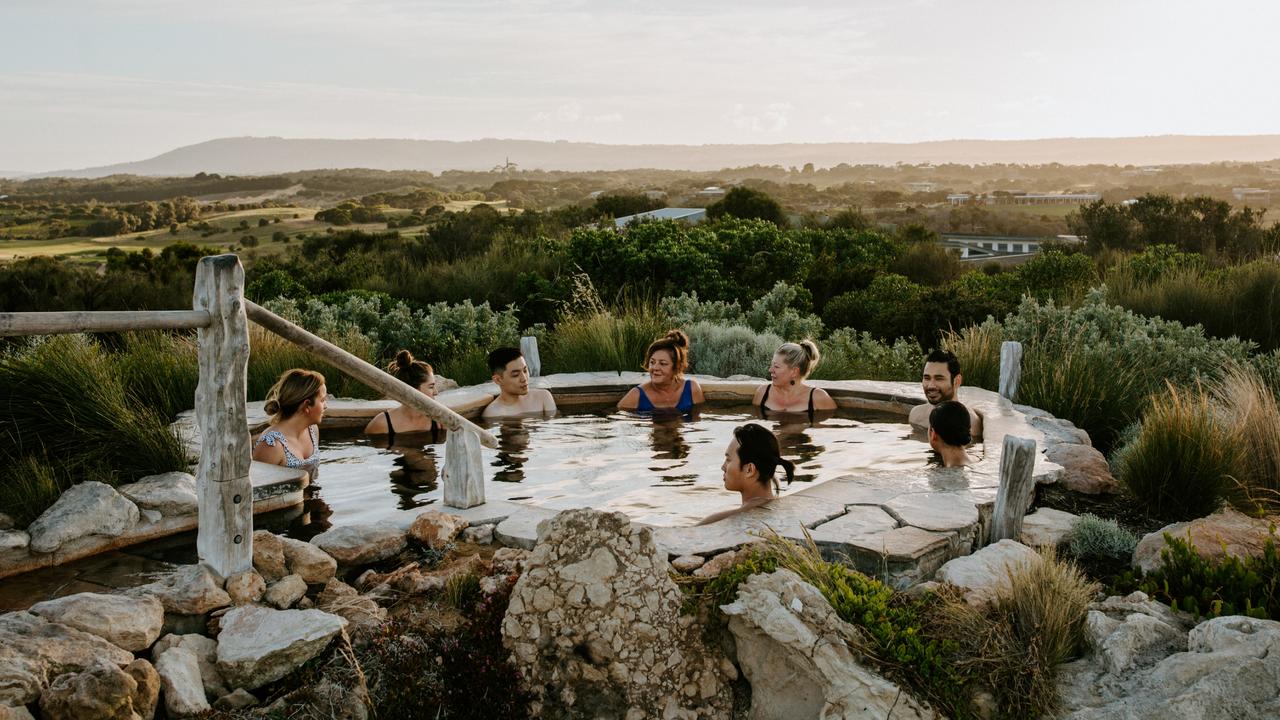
(661, 471)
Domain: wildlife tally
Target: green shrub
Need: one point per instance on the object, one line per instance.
(776, 312)
(850, 355)
(271, 355)
(602, 340)
(1179, 463)
(978, 349)
(725, 350)
(1095, 537)
(1212, 588)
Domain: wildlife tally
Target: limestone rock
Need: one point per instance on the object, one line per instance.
(309, 562)
(34, 651)
(205, 651)
(479, 534)
(190, 590)
(1225, 668)
(1084, 469)
(718, 564)
(1057, 430)
(238, 699)
(509, 560)
(286, 591)
(436, 529)
(132, 623)
(246, 587)
(13, 544)
(985, 573)
(171, 493)
(1047, 526)
(180, 677)
(1226, 532)
(594, 622)
(88, 509)
(361, 544)
(268, 555)
(101, 692)
(259, 645)
(14, 713)
(147, 691)
(344, 601)
(688, 563)
(794, 650)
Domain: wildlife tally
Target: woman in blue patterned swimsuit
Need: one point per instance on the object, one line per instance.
(666, 360)
(296, 404)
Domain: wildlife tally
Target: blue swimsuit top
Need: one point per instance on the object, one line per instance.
(684, 405)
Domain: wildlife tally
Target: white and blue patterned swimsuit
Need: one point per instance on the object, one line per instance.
(311, 464)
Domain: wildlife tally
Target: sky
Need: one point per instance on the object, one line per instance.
(96, 82)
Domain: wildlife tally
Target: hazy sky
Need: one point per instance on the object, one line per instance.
(92, 82)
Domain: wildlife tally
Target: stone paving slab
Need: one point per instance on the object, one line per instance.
(784, 515)
(936, 511)
(521, 529)
(860, 522)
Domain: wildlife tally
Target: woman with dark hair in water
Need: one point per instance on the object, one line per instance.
(418, 375)
(750, 462)
(668, 389)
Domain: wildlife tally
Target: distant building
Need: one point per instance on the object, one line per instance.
(595, 194)
(1047, 198)
(959, 198)
(692, 216)
(712, 191)
(1249, 194)
(921, 186)
(987, 247)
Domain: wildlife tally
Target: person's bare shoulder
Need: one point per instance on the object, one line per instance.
(975, 424)
(272, 454)
(696, 391)
(919, 416)
(822, 400)
(492, 409)
(631, 400)
(548, 400)
(376, 426)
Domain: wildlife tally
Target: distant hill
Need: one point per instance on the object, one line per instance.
(262, 156)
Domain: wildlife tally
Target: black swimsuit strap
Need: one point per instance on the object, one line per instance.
(391, 431)
(764, 400)
(811, 400)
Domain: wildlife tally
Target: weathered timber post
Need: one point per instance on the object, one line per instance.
(1017, 459)
(463, 470)
(529, 348)
(1010, 368)
(224, 539)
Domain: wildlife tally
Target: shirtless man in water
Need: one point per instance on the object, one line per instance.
(511, 375)
(941, 381)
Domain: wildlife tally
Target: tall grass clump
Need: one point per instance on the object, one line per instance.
(1180, 462)
(271, 355)
(1014, 645)
(1249, 410)
(160, 369)
(978, 349)
(850, 355)
(66, 405)
(603, 340)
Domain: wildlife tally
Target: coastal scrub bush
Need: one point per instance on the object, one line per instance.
(1213, 588)
(978, 349)
(848, 354)
(1095, 537)
(1180, 462)
(602, 340)
(777, 311)
(1250, 411)
(725, 350)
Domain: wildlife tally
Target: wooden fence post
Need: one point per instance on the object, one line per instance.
(463, 470)
(529, 348)
(1010, 368)
(224, 539)
(1017, 459)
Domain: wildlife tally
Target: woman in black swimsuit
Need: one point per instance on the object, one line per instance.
(787, 391)
(416, 374)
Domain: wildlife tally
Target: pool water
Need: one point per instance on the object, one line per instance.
(661, 471)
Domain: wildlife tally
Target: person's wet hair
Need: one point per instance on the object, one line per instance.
(674, 342)
(499, 358)
(802, 355)
(410, 371)
(294, 387)
(759, 447)
(945, 356)
(950, 419)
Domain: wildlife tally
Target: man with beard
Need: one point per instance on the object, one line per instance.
(940, 381)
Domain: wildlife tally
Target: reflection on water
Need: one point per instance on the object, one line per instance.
(663, 470)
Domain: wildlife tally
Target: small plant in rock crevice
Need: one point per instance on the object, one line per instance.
(1212, 588)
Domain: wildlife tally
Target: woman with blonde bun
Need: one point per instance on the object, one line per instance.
(419, 376)
(296, 404)
(787, 391)
(667, 389)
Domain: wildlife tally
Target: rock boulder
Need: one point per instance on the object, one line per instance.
(189, 590)
(100, 692)
(88, 509)
(354, 545)
(436, 529)
(796, 653)
(171, 493)
(179, 672)
(594, 622)
(259, 645)
(985, 573)
(35, 652)
(1084, 469)
(132, 623)
(1226, 532)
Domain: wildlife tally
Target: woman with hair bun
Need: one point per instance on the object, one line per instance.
(296, 404)
(667, 389)
(750, 462)
(404, 419)
(787, 391)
